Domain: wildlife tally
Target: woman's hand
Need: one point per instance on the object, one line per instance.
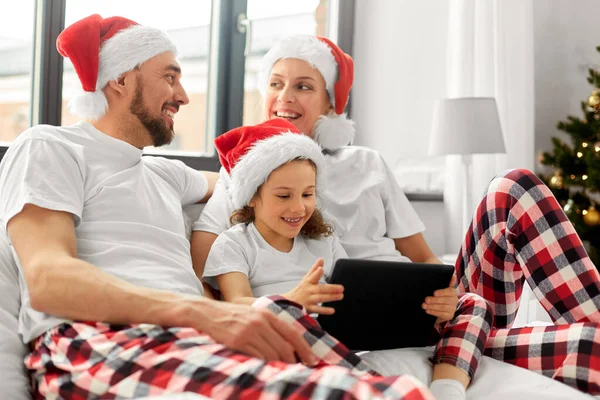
(310, 293)
(443, 303)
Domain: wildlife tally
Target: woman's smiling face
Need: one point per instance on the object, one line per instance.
(296, 91)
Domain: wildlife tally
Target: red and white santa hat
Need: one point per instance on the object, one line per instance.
(101, 50)
(337, 68)
(251, 153)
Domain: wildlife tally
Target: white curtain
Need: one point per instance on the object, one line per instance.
(490, 54)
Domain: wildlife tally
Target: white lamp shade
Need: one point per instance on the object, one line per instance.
(466, 126)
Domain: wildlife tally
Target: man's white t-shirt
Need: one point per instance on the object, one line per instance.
(127, 208)
(270, 271)
(360, 197)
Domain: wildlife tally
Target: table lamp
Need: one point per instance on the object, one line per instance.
(466, 126)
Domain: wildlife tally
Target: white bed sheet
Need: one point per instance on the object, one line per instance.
(494, 380)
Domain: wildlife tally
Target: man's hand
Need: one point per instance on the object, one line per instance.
(257, 332)
(310, 293)
(443, 303)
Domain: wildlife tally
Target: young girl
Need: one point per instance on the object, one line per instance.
(278, 233)
(519, 230)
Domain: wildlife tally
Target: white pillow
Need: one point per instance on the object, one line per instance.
(14, 381)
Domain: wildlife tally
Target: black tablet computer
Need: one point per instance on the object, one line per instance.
(381, 308)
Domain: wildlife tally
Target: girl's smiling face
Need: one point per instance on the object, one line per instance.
(285, 202)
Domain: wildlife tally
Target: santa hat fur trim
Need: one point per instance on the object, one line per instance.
(115, 45)
(333, 131)
(265, 156)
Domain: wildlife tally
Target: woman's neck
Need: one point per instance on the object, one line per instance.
(274, 239)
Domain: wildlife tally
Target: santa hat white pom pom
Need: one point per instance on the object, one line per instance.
(333, 131)
(89, 105)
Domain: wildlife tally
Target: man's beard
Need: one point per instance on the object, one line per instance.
(156, 127)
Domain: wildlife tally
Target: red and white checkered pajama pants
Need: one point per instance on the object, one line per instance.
(94, 360)
(520, 232)
(91, 360)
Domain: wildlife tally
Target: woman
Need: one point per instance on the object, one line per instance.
(519, 230)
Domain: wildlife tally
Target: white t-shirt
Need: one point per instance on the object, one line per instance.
(360, 197)
(242, 248)
(127, 208)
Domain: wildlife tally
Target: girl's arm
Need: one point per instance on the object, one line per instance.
(235, 288)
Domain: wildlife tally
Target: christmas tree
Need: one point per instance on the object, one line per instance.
(576, 169)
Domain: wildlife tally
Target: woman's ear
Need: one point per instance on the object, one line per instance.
(329, 110)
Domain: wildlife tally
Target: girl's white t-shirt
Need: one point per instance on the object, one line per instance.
(243, 249)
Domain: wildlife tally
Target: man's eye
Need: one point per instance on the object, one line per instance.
(170, 78)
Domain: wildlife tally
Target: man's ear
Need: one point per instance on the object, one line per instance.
(119, 84)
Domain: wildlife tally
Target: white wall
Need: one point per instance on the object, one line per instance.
(400, 55)
(565, 40)
(400, 66)
(400, 71)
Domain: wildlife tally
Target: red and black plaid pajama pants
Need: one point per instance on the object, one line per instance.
(94, 360)
(520, 232)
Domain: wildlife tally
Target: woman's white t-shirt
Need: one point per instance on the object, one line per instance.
(270, 271)
(360, 198)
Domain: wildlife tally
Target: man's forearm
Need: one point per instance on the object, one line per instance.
(74, 289)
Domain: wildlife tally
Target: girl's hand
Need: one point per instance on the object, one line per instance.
(443, 303)
(310, 293)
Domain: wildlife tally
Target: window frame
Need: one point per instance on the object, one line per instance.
(225, 94)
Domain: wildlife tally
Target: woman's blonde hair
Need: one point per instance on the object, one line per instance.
(314, 228)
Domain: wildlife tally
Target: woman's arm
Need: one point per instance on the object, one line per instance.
(416, 248)
(212, 178)
(201, 244)
(443, 302)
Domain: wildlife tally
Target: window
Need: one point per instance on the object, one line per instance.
(219, 67)
(16, 46)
